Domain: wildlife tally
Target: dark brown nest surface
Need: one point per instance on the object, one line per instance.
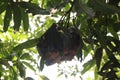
(58, 44)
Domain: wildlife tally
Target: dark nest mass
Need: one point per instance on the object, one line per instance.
(59, 44)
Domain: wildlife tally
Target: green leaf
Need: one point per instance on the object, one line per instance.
(96, 73)
(44, 3)
(48, 22)
(117, 45)
(26, 56)
(33, 8)
(35, 1)
(1, 20)
(41, 63)
(42, 77)
(2, 8)
(111, 56)
(81, 7)
(87, 49)
(7, 18)
(4, 62)
(4, 0)
(106, 66)
(14, 76)
(21, 69)
(112, 31)
(16, 17)
(79, 54)
(103, 7)
(27, 44)
(98, 56)
(88, 65)
(29, 65)
(25, 20)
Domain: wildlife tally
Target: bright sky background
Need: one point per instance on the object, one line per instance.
(52, 71)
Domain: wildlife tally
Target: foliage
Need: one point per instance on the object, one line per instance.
(97, 22)
(69, 70)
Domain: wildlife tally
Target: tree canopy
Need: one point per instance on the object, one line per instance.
(97, 31)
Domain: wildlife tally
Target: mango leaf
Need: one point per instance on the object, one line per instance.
(111, 75)
(111, 56)
(96, 73)
(98, 56)
(87, 49)
(88, 65)
(27, 44)
(7, 18)
(25, 19)
(14, 76)
(48, 22)
(35, 1)
(108, 65)
(116, 27)
(41, 63)
(29, 65)
(33, 8)
(114, 44)
(42, 77)
(81, 7)
(103, 7)
(79, 54)
(112, 31)
(26, 56)
(1, 20)
(117, 45)
(4, 0)
(21, 69)
(16, 17)
(4, 62)
(64, 4)
(2, 8)
(1, 70)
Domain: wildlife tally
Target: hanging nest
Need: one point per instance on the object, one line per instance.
(58, 44)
